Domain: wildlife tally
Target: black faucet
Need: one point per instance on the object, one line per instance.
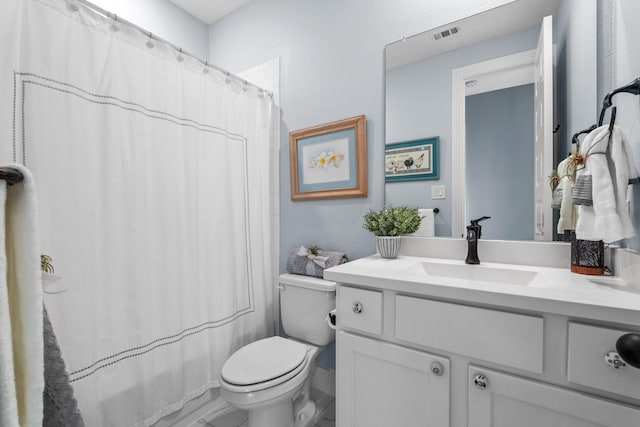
(474, 232)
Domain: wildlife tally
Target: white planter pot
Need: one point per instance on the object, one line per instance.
(388, 246)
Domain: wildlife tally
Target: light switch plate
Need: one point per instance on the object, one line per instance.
(437, 192)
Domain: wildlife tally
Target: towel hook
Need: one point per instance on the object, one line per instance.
(575, 140)
(632, 88)
(11, 175)
(612, 121)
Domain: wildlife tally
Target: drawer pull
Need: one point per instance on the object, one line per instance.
(357, 308)
(437, 369)
(480, 381)
(628, 347)
(614, 360)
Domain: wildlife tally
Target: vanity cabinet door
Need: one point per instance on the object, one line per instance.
(500, 400)
(381, 384)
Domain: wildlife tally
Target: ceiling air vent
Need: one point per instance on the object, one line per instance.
(445, 33)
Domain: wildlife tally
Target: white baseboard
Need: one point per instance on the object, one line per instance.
(324, 380)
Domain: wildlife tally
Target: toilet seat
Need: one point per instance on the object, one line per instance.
(263, 364)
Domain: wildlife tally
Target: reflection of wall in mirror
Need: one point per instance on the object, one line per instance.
(418, 105)
(499, 169)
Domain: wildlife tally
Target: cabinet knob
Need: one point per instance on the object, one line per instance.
(437, 369)
(614, 360)
(480, 381)
(628, 347)
(357, 308)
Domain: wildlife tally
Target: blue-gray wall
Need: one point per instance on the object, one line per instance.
(575, 40)
(331, 57)
(418, 99)
(619, 64)
(500, 132)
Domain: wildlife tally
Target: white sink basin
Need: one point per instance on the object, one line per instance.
(479, 273)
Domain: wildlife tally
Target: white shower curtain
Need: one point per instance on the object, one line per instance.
(154, 194)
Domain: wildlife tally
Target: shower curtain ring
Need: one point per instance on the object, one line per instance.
(72, 6)
(114, 25)
(150, 44)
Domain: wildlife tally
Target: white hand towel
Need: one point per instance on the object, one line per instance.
(8, 400)
(21, 342)
(607, 219)
(567, 220)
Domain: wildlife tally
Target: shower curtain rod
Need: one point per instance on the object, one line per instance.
(11, 175)
(141, 30)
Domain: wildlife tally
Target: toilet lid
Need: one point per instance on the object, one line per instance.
(263, 360)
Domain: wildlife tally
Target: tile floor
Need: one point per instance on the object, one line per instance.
(325, 414)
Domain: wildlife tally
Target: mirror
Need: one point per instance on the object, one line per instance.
(493, 170)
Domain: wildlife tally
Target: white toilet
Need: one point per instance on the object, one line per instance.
(271, 378)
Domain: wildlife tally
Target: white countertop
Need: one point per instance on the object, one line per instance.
(554, 290)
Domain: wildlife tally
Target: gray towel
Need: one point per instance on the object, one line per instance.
(582, 191)
(302, 264)
(60, 407)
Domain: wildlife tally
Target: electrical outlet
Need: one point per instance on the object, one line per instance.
(437, 192)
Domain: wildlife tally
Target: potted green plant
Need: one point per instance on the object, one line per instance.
(388, 225)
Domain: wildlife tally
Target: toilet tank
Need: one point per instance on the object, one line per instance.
(305, 302)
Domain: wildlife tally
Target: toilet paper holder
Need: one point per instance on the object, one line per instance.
(331, 319)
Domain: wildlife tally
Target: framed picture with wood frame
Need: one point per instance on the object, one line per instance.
(329, 161)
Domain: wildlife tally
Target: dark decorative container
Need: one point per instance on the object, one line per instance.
(587, 256)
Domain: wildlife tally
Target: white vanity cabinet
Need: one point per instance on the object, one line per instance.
(410, 359)
(382, 384)
(502, 400)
